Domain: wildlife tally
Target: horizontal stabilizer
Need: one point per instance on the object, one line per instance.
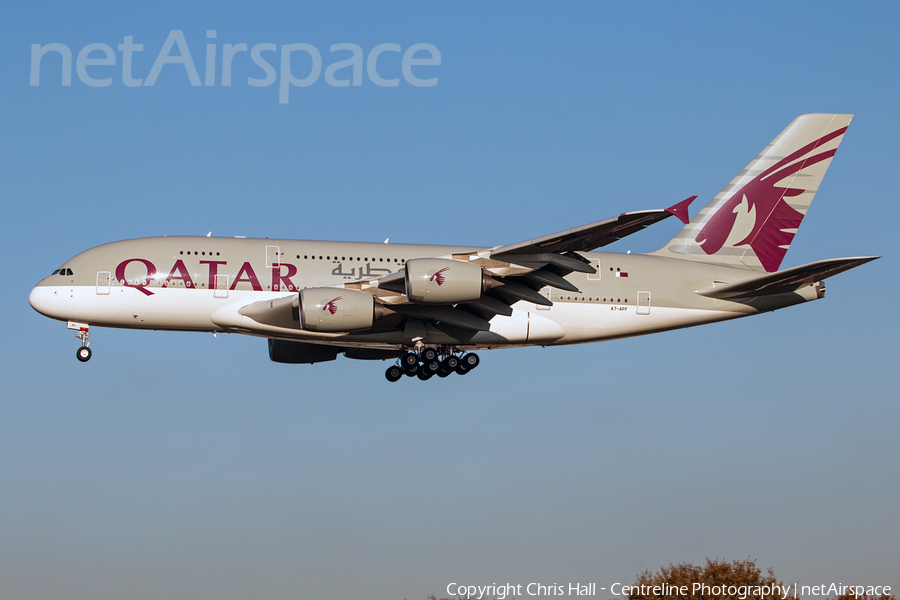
(786, 281)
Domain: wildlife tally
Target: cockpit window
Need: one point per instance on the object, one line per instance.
(56, 272)
(62, 272)
(69, 272)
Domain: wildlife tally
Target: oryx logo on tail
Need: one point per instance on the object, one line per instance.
(330, 306)
(438, 276)
(775, 222)
(751, 223)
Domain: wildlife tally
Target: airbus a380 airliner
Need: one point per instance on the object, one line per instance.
(430, 307)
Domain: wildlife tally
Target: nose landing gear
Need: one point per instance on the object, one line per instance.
(84, 353)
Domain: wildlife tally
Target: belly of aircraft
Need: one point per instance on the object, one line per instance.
(198, 310)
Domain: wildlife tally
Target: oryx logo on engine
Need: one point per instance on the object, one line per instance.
(330, 306)
(438, 276)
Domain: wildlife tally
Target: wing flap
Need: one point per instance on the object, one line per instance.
(444, 314)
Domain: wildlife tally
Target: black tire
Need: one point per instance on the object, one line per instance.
(393, 373)
(429, 354)
(408, 360)
(432, 366)
(461, 369)
(83, 354)
(444, 371)
(411, 370)
(471, 360)
(452, 362)
(424, 375)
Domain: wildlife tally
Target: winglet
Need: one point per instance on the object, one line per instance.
(680, 210)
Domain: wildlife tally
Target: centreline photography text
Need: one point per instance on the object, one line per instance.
(501, 591)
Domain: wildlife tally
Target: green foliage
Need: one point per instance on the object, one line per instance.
(716, 579)
(715, 574)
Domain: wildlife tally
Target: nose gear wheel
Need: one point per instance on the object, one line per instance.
(84, 353)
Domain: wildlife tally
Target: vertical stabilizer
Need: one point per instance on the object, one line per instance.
(752, 222)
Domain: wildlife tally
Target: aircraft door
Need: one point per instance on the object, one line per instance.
(643, 303)
(103, 278)
(221, 290)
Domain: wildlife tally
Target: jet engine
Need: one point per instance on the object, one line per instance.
(442, 281)
(332, 310)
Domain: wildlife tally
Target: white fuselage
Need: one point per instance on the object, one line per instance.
(201, 284)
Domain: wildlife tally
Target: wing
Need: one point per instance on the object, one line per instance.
(546, 260)
(502, 275)
(595, 235)
(518, 271)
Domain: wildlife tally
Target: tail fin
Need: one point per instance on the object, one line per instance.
(752, 222)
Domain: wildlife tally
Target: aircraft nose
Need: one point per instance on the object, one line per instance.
(40, 300)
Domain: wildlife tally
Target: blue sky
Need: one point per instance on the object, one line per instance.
(183, 465)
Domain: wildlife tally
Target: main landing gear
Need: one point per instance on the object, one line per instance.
(84, 353)
(430, 362)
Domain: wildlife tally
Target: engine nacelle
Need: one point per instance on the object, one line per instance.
(332, 310)
(442, 281)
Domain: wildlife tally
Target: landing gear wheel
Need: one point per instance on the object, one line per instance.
(461, 369)
(431, 366)
(393, 373)
(83, 353)
(429, 354)
(424, 375)
(409, 360)
(452, 362)
(470, 360)
(411, 369)
(444, 370)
